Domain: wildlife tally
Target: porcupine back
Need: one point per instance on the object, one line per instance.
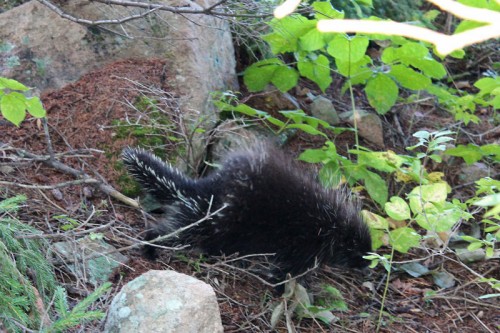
(273, 205)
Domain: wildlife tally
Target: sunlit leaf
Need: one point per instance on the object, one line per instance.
(382, 93)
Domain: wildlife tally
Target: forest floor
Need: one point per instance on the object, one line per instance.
(82, 129)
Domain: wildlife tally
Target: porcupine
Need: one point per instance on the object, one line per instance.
(272, 205)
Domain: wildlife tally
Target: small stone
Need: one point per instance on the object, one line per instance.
(473, 172)
(87, 192)
(322, 108)
(57, 194)
(6, 169)
(95, 270)
(369, 126)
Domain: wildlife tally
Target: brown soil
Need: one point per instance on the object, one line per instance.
(80, 118)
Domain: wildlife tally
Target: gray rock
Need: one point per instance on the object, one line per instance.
(322, 108)
(98, 268)
(473, 172)
(45, 51)
(164, 301)
(6, 169)
(369, 126)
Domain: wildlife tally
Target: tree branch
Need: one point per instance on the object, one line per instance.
(150, 8)
(83, 177)
(61, 13)
(51, 187)
(445, 44)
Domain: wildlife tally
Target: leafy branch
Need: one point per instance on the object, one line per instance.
(445, 44)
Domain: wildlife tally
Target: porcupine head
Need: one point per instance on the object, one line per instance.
(271, 205)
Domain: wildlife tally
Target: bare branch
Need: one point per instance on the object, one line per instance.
(61, 13)
(51, 187)
(208, 216)
(83, 177)
(445, 44)
(68, 233)
(193, 8)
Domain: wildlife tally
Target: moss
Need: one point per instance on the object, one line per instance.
(155, 131)
(128, 185)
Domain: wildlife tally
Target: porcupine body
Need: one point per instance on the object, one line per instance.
(272, 205)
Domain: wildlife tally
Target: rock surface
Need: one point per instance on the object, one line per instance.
(473, 172)
(369, 126)
(95, 270)
(45, 51)
(164, 301)
(322, 108)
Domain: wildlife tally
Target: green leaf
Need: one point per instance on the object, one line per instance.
(317, 71)
(376, 187)
(382, 93)
(35, 107)
(403, 239)
(439, 219)
(287, 31)
(415, 55)
(325, 10)
(285, 78)
(313, 155)
(368, 3)
(470, 153)
(377, 238)
(312, 41)
(348, 49)
(323, 155)
(409, 78)
(13, 106)
(358, 72)
(274, 121)
(386, 161)
(421, 196)
(279, 44)
(406, 53)
(487, 85)
(474, 246)
(259, 74)
(469, 238)
(375, 221)
(412, 50)
(493, 150)
(308, 129)
(489, 252)
(6, 83)
(489, 200)
(429, 67)
(467, 25)
(397, 209)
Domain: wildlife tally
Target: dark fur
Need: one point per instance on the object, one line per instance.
(273, 206)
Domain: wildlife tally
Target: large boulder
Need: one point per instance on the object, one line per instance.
(164, 301)
(45, 51)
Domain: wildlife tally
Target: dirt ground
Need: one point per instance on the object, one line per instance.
(82, 125)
